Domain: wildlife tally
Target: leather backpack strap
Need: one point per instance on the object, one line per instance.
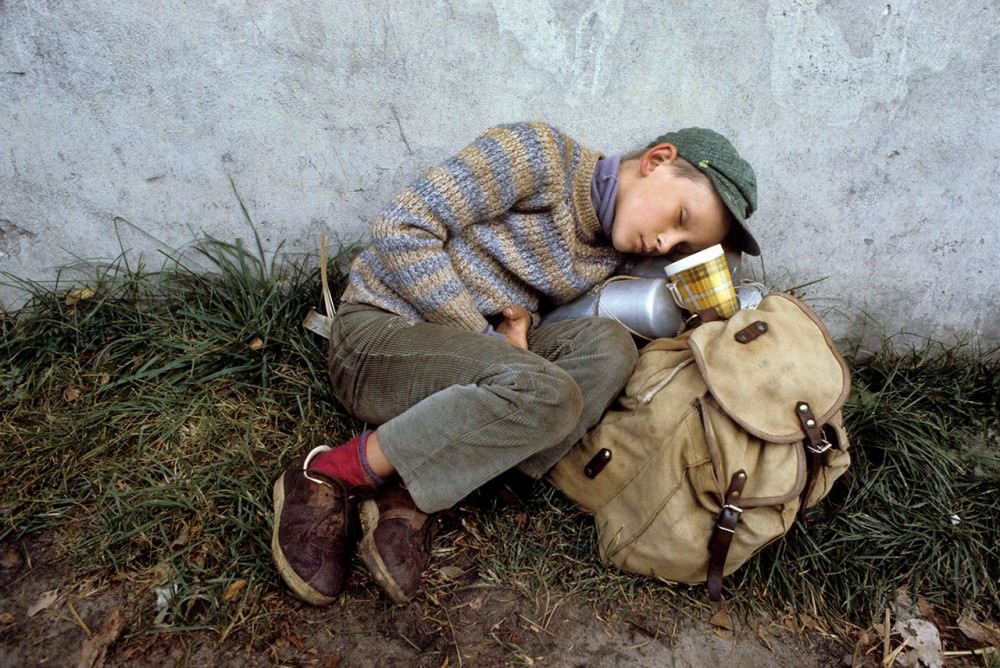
(722, 535)
(815, 444)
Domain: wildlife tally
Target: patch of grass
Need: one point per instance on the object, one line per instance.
(917, 510)
(544, 548)
(145, 415)
(145, 418)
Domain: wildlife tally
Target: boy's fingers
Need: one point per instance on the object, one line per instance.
(516, 313)
(515, 325)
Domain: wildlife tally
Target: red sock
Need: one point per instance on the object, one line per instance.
(348, 463)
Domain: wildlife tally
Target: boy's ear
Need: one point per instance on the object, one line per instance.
(656, 156)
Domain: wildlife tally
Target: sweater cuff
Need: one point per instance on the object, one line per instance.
(489, 331)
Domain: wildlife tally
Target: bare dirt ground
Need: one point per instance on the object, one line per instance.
(48, 619)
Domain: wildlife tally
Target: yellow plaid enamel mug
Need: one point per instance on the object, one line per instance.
(702, 281)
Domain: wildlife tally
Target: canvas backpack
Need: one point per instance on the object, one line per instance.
(720, 440)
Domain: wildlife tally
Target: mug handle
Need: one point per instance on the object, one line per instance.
(675, 293)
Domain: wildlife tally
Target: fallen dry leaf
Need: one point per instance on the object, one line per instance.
(925, 607)
(79, 295)
(980, 632)
(921, 644)
(71, 394)
(6, 618)
(762, 635)
(722, 620)
(810, 622)
(95, 649)
(44, 601)
(257, 343)
(332, 660)
(233, 590)
(451, 572)
(10, 559)
(182, 538)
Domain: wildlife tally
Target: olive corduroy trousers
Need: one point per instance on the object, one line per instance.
(455, 408)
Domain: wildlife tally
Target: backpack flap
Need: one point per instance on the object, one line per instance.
(762, 364)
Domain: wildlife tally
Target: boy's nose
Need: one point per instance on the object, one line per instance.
(665, 242)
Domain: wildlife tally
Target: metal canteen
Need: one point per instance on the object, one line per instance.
(650, 268)
(581, 307)
(643, 305)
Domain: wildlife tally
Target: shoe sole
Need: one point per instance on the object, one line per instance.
(298, 586)
(368, 513)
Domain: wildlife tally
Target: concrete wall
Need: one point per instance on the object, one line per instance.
(872, 125)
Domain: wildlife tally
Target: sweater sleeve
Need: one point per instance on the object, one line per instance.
(418, 236)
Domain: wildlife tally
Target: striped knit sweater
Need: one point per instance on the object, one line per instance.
(508, 220)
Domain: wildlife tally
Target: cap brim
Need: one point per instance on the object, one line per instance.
(740, 237)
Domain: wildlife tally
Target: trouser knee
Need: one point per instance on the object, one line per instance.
(548, 401)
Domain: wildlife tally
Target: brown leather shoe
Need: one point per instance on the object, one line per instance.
(313, 537)
(396, 541)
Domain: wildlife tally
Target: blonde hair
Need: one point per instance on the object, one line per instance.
(681, 166)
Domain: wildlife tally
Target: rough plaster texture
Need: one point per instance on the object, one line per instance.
(872, 125)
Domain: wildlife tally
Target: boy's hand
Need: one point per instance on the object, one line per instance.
(515, 325)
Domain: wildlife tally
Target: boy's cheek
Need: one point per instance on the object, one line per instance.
(618, 236)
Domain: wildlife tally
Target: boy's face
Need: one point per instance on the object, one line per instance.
(659, 211)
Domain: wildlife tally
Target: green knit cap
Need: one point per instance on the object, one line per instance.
(731, 175)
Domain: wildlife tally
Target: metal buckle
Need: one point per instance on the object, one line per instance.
(823, 446)
(730, 507)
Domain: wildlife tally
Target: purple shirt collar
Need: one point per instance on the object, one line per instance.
(603, 189)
